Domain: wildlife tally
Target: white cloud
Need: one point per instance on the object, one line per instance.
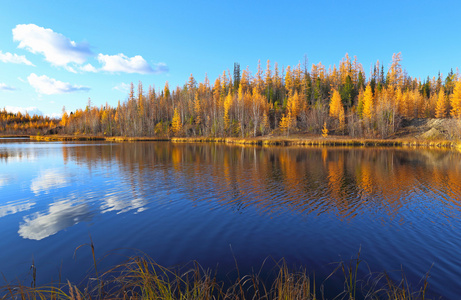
(57, 49)
(63, 52)
(60, 215)
(70, 69)
(32, 110)
(89, 68)
(125, 64)
(14, 58)
(49, 86)
(5, 87)
(122, 87)
(161, 68)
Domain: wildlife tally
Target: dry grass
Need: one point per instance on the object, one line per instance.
(14, 136)
(318, 141)
(66, 138)
(140, 277)
(330, 141)
(136, 139)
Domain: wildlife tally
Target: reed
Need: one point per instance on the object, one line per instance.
(140, 277)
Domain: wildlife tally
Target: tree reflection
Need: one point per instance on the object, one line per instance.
(344, 182)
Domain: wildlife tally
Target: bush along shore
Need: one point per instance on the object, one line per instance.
(266, 141)
(140, 277)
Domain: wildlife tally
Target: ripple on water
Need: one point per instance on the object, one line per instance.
(183, 202)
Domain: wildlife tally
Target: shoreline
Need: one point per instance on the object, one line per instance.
(11, 136)
(266, 141)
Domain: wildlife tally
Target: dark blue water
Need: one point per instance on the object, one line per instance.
(214, 203)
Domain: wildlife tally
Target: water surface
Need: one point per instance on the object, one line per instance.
(211, 203)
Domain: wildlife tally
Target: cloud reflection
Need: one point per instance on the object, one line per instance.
(4, 180)
(47, 180)
(60, 215)
(120, 205)
(12, 208)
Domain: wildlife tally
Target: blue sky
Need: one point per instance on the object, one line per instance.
(60, 53)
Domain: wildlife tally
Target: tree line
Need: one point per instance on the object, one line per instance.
(296, 99)
(18, 123)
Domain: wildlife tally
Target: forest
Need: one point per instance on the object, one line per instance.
(275, 101)
(18, 123)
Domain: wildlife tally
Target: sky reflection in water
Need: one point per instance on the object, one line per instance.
(180, 202)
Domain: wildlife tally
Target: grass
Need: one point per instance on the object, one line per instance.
(268, 141)
(67, 138)
(140, 277)
(14, 136)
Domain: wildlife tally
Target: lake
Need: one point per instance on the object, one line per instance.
(214, 203)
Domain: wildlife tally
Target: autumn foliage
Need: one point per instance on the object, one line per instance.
(18, 123)
(278, 101)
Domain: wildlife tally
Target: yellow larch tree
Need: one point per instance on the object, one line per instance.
(268, 81)
(289, 83)
(217, 88)
(197, 109)
(345, 68)
(258, 81)
(334, 77)
(324, 130)
(441, 106)
(342, 119)
(368, 103)
(176, 124)
(64, 119)
(227, 106)
(292, 111)
(105, 119)
(264, 124)
(245, 81)
(337, 109)
(286, 122)
(407, 104)
(336, 106)
(297, 77)
(455, 100)
(293, 104)
(166, 90)
(418, 104)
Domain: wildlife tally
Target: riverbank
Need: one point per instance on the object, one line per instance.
(297, 140)
(434, 133)
(14, 136)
